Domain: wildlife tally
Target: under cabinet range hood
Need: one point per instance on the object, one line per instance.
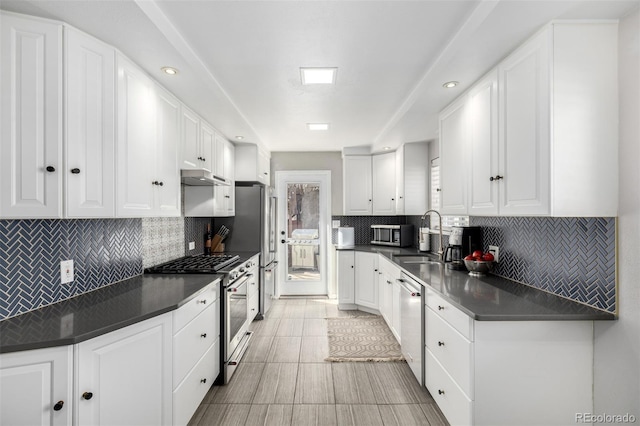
(202, 178)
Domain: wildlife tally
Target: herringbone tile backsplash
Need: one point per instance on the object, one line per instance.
(571, 257)
(103, 252)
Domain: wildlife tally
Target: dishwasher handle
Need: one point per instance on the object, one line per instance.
(404, 284)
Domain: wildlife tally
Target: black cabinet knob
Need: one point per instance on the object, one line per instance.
(161, 183)
(75, 171)
(58, 406)
(440, 392)
(87, 395)
(497, 177)
(203, 301)
(440, 307)
(203, 335)
(283, 241)
(51, 169)
(440, 343)
(226, 196)
(203, 380)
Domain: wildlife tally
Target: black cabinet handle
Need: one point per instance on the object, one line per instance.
(87, 395)
(440, 392)
(203, 380)
(203, 335)
(440, 343)
(438, 189)
(203, 301)
(283, 241)
(75, 171)
(227, 196)
(498, 177)
(155, 182)
(161, 183)
(51, 169)
(440, 307)
(58, 406)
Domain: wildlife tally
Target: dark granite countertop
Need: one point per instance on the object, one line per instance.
(101, 311)
(490, 298)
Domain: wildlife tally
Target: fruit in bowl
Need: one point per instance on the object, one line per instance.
(478, 262)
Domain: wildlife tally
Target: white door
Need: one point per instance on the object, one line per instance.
(31, 129)
(303, 231)
(90, 126)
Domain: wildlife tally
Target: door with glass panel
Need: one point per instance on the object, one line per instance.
(303, 220)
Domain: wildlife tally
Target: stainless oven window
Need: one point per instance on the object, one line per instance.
(237, 308)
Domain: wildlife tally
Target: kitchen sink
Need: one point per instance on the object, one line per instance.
(417, 259)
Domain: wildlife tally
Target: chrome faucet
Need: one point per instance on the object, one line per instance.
(441, 250)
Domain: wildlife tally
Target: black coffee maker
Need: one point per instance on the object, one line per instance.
(463, 240)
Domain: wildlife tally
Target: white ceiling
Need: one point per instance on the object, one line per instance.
(239, 60)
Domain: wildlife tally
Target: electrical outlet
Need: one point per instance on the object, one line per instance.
(495, 251)
(66, 271)
(335, 224)
(192, 245)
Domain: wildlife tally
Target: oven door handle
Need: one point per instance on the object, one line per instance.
(236, 285)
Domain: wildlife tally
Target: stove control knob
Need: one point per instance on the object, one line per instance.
(249, 265)
(241, 270)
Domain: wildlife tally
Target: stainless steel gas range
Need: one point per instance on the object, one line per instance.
(239, 304)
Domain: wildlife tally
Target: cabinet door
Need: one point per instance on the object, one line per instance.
(136, 141)
(36, 387)
(31, 131)
(229, 167)
(524, 128)
(395, 310)
(128, 374)
(400, 196)
(207, 146)
(190, 140)
(454, 141)
(90, 127)
(415, 173)
(346, 277)
(357, 177)
(167, 193)
(264, 167)
(483, 121)
(384, 184)
(366, 279)
(385, 292)
(218, 158)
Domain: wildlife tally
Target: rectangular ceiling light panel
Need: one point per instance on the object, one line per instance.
(318, 75)
(318, 126)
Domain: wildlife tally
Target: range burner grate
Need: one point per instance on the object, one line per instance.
(202, 264)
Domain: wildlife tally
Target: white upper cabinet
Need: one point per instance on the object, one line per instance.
(31, 165)
(89, 171)
(524, 129)
(412, 178)
(190, 140)
(545, 142)
(357, 176)
(484, 169)
(207, 146)
(252, 164)
(454, 142)
(384, 184)
(168, 118)
(224, 196)
(136, 141)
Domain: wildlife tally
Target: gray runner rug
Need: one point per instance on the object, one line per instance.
(361, 338)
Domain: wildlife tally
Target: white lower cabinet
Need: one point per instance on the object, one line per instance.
(389, 294)
(36, 387)
(366, 280)
(346, 265)
(506, 372)
(124, 377)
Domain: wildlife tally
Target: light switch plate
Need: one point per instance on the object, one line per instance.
(66, 271)
(335, 224)
(495, 251)
(192, 245)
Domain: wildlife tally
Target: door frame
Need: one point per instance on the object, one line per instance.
(324, 177)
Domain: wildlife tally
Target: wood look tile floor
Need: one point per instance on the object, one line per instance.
(283, 379)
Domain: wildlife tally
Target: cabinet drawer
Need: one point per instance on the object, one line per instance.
(195, 306)
(190, 393)
(452, 315)
(190, 343)
(454, 404)
(452, 350)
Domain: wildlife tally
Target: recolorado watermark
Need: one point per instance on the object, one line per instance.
(605, 418)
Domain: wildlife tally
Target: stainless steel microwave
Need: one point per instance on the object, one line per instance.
(392, 235)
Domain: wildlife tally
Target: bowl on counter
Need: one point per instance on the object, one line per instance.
(478, 267)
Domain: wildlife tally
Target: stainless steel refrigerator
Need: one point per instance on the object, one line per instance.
(254, 229)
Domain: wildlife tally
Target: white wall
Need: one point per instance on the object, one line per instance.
(313, 161)
(617, 344)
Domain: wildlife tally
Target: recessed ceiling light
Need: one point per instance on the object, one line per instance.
(450, 84)
(239, 137)
(318, 75)
(318, 126)
(386, 148)
(169, 70)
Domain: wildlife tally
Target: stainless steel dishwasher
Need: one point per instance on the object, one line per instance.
(411, 324)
